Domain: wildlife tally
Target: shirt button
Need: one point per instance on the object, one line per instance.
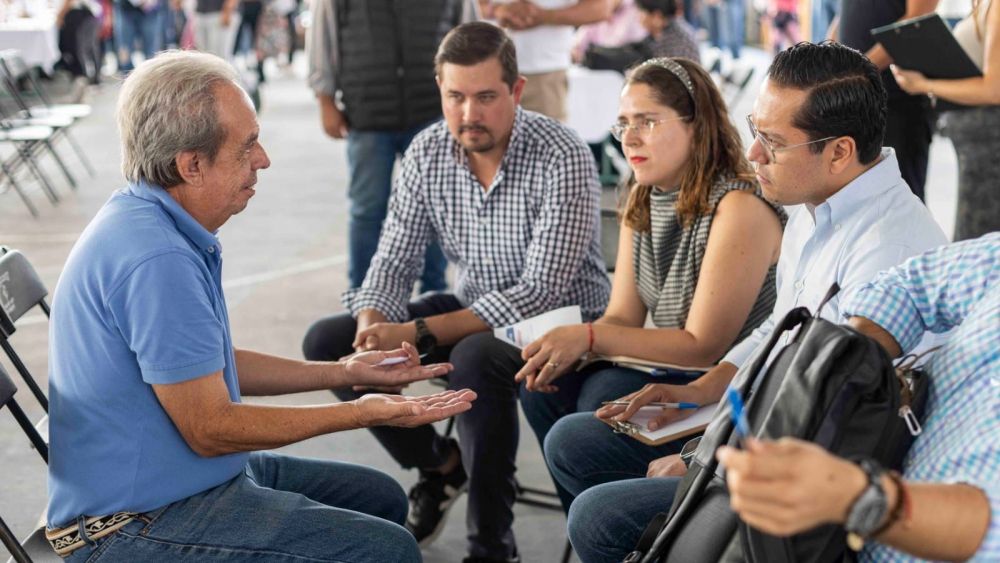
(488, 261)
(210, 250)
(799, 285)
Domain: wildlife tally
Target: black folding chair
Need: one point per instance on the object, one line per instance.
(35, 548)
(20, 291)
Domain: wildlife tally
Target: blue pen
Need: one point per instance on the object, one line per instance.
(739, 415)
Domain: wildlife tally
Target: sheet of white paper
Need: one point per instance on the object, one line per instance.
(700, 418)
(526, 331)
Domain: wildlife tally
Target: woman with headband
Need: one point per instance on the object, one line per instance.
(697, 253)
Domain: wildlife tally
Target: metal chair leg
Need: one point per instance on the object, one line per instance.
(62, 165)
(81, 156)
(29, 159)
(567, 552)
(17, 188)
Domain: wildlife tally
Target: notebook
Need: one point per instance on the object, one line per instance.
(636, 426)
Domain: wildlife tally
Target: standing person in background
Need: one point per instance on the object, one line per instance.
(783, 17)
(215, 26)
(542, 32)
(79, 22)
(371, 65)
(246, 34)
(621, 28)
(975, 132)
(823, 14)
(726, 20)
(137, 20)
(910, 120)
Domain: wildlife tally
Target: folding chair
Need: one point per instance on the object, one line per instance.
(27, 142)
(20, 291)
(24, 141)
(35, 548)
(16, 73)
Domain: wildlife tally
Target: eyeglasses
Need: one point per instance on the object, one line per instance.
(769, 147)
(643, 128)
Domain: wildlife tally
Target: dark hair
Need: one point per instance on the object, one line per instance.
(666, 7)
(474, 42)
(716, 151)
(846, 96)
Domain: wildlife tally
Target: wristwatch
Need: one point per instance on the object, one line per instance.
(426, 341)
(869, 509)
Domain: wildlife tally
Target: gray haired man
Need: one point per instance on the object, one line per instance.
(150, 451)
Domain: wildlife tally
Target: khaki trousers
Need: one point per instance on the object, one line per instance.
(546, 94)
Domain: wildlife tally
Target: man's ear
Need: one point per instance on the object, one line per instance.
(518, 89)
(845, 153)
(189, 167)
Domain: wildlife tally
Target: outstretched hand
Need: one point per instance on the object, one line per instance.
(363, 369)
(396, 410)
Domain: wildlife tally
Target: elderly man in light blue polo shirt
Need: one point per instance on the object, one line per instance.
(150, 451)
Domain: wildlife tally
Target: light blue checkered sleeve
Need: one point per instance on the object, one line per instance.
(930, 292)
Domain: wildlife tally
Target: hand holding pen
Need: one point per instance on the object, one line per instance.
(657, 394)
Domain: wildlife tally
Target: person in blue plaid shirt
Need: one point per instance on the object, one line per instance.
(513, 198)
(948, 506)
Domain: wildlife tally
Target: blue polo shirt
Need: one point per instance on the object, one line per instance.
(139, 302)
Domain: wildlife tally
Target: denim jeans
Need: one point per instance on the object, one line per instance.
(725, 22)
(133, 25)
(488, 433)
(371, 156)
(823, 12)
(582, 392)
(607, 521)
(281, 509)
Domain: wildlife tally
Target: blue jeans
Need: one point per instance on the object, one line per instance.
(371, 156)
(281, 509)
(133, 25)
(823, 12)
(581, 392)
(725, 22)
(607, 521)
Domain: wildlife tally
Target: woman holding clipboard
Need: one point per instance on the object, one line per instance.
(974, 131)
(697, 252)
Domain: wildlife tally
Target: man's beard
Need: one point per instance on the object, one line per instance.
(484, 144)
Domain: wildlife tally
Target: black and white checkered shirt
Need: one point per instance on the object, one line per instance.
(529, 244)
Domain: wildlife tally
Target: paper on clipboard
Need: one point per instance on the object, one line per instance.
(528, 330)
(636, 427)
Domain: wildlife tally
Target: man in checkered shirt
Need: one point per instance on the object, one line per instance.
(513, 198)
(947, 505)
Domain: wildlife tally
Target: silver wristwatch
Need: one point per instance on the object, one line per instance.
(871, 506)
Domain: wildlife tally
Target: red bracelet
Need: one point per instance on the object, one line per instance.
(590, 332)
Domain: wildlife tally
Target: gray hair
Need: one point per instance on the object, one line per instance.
(167, 105)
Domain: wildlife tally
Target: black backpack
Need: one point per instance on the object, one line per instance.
(832, 386)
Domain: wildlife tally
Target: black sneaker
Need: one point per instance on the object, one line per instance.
(430, 499)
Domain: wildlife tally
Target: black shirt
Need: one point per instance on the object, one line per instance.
(858, 17)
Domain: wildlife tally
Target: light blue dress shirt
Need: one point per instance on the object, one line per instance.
(872, 224)
(953, 288)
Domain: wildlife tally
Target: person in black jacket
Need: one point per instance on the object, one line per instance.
(371, 65)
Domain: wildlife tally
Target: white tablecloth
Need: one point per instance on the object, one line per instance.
(36, 38)
(592, 101)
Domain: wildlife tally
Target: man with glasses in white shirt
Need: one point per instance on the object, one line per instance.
(817, 129)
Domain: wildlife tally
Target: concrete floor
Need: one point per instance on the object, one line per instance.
(285, 266)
